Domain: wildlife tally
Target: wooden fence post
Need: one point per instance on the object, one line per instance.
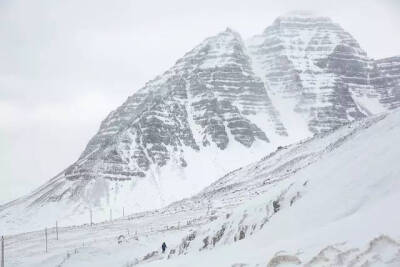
(45, 234)
(57, 229)
(2, 251)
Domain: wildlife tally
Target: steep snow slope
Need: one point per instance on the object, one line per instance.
(327, 201)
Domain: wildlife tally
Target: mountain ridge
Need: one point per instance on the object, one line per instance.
(224, 104)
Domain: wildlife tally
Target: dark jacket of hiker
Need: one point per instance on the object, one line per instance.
(164, 247)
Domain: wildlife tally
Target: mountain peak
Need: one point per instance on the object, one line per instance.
(303, 15)
(228, 29)
(220, 41)
(229, 32)
(224, 104)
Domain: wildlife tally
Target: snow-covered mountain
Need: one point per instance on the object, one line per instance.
(387, 81)
(224, 104)
(172, 138)
(317, 74)
(331, 200)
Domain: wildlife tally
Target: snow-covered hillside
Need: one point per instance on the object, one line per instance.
(224, 104)
(327, 201)
(172, 138)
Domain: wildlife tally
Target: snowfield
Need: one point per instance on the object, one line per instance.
(328, 201)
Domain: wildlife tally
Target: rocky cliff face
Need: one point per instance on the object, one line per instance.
(320, 72)
(387, 81)
(205, 116)
(224, 104)
(204, 100)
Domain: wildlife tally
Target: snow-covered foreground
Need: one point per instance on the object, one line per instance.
(328, 201)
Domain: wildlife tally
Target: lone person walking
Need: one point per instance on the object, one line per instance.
(163, 247)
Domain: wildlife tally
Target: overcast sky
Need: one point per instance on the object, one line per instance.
(65, 64)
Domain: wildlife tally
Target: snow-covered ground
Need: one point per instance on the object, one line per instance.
(169, 184)
(328, 201)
